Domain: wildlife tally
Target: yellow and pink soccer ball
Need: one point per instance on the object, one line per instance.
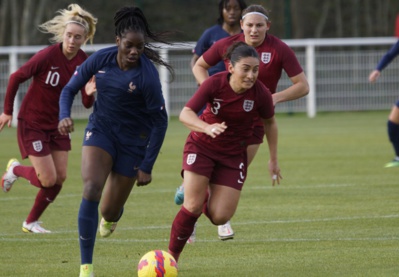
(157, 263)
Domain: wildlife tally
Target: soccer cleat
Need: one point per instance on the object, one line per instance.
(192, 238)
(179, 195)
(107, 228)
(225, 231)
(394, 163)
(86, 270)
(34, 227)
(9, 177)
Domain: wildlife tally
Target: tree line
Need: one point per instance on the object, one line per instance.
(187, 19)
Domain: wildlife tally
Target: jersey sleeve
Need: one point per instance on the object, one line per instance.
(201, 96)
(202, 44)
(291, 64)
(155, 103)
(388, 57)
(214, 54)
(79, 79)
(25, 72)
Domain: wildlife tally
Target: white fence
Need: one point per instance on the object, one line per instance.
(337, 71)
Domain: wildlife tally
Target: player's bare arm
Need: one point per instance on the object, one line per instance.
(200, 70)
(299, 88)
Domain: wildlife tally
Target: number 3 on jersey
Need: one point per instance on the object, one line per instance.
(216, 107)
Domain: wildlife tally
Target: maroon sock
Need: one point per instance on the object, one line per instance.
(44, 197)
(182, 228)
(29, 173)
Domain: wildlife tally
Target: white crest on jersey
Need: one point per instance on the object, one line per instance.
(88, 135)
(265, 57)
(248, 105)
(191, 158)
(37, 145)
(132, 87)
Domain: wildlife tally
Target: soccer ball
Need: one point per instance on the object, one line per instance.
(157, 263)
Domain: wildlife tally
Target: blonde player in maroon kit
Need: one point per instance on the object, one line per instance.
(38, 136)
(215, 154)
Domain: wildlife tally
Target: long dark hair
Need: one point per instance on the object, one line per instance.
(133, 19)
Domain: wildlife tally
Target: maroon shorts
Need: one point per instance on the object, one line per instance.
(33, 141)
(222, 169)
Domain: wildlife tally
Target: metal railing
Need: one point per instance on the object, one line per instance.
(337, 71)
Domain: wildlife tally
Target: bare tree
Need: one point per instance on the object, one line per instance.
(323, 18)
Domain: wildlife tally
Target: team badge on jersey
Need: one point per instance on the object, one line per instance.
(37, 145)
(248, 105)
(132, 87)
(88, 135)
(265, 57)
(191, 158)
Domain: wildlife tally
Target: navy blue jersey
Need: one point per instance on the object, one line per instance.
(129, 103)
(207, 39)
(388, 57)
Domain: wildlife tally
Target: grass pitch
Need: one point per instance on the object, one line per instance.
(335, 213)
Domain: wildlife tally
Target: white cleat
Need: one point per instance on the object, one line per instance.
(192, 238)
(9, 177)
(34, 227)
(225, 231)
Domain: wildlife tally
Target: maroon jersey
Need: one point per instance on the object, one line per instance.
(238, 111)
(51, 71)
(274, 56)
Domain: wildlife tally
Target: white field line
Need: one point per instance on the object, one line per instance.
(35, 237)
(148, 190)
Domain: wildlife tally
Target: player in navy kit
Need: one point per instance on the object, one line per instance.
(393, 119)
(38, 136)
(215, 153)
(126, 129)
(228, 25)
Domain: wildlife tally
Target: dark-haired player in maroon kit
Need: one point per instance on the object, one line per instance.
(215, 154)
(38, 136)
(275, 56)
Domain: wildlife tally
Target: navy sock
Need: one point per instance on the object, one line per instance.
(87, 223)
(393, 133)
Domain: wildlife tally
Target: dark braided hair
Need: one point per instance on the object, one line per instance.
(132, 19)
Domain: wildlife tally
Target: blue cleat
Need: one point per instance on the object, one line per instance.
(179, 196)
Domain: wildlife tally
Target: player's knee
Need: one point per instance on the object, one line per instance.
(92, 191)
(219, 219)
(47, 180)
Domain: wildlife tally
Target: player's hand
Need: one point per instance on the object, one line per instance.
(143, 178)
(5, 119)
(215, 129)
(275, 173)
(374, 75)
(65, 126)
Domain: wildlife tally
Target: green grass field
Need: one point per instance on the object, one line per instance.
(335, 213)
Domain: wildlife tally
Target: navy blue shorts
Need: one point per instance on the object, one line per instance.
(126, 158)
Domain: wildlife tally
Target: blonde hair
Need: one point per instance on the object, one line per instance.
(74, 14)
